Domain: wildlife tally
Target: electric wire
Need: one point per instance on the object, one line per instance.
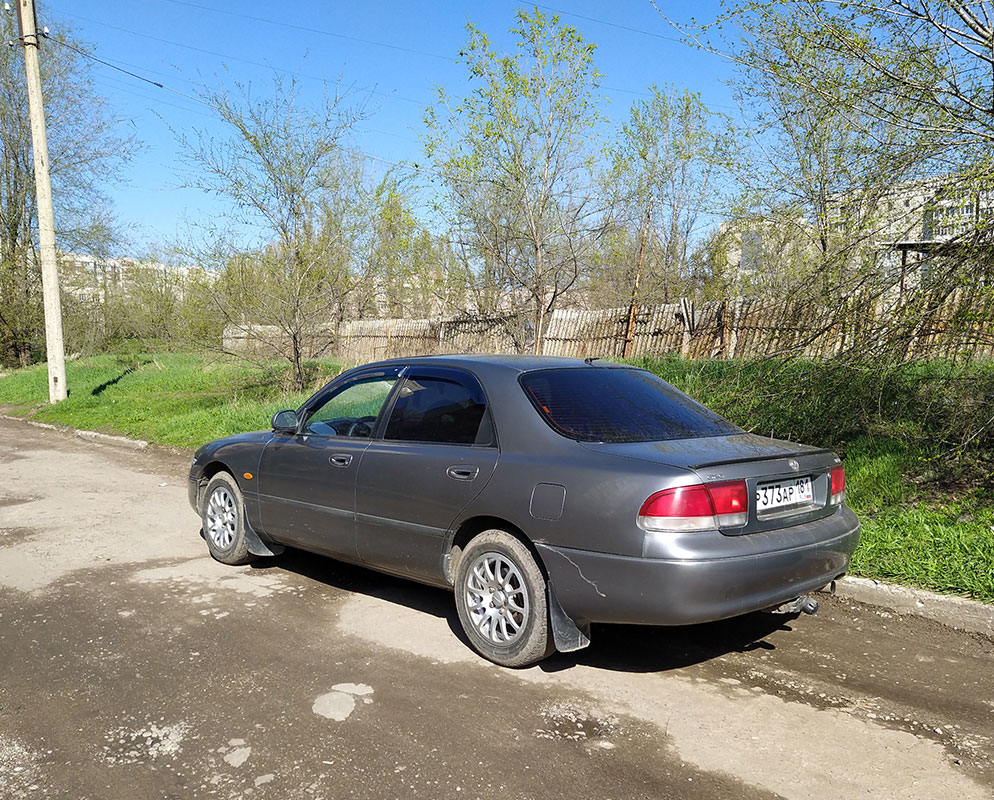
(159, 85)
(312, 29)
(599, 22)
(135, 75)
(230, 57)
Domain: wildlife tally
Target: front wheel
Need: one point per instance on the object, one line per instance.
(224, 521)
(501, 600)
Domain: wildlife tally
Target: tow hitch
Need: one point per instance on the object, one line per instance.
(803, 604)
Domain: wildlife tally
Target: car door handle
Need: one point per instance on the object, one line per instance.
(462, 473)
(340, 460)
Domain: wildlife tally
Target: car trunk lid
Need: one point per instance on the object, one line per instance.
(787, 483)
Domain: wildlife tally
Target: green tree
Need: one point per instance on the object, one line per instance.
(666, 177)
(852, 109)
(515, 158)
(408, 265)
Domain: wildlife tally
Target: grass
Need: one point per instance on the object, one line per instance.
(173, 399)
(911, 535)
(925, 499)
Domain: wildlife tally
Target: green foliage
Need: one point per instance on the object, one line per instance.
(284, 170)
(946, 548)
(941, 407)
(175, 399)
(85, 150)
(515, 158)
(663, 176)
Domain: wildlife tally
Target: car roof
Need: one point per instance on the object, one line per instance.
(515, 363)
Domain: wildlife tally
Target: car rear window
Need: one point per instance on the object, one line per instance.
(599, 404)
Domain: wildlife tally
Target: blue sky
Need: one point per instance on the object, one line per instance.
(399, 52)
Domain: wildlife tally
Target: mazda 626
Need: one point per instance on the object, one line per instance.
(547, 493)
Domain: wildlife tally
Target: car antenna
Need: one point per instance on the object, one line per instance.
(591, 359)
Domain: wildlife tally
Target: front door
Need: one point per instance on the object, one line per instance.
(307, 480)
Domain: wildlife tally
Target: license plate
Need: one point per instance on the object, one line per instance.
(784, 494)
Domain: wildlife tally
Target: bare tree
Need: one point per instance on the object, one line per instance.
(290, 181)
(85, 151)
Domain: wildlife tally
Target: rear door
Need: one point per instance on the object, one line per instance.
(438, 451)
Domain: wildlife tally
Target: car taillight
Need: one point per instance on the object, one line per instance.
(696, 508)
(838, 485)
(731, 503)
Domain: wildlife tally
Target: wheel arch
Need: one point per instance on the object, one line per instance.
(210, 469)
(567, 634)
(255, 543)
(471, 528)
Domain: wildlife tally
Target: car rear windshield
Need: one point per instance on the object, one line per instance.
(599, 404)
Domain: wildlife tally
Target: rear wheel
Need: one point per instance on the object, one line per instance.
(224, 521)
(501, 600)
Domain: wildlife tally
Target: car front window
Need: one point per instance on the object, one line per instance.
(353, 410)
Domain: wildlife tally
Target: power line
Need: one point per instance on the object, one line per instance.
(599, 22)
(120, 86)
(159, 85)
(91, 57)
(230, 57)
(311, 29)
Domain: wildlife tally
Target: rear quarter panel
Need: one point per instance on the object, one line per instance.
(603, 495)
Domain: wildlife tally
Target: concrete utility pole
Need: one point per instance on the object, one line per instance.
(28, 26)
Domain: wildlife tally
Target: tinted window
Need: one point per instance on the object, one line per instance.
(437, 409)
(618, 405)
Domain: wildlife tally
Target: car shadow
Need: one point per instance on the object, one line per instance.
(353, 578)
(622, 648)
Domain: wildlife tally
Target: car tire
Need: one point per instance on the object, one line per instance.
(223, 517)
(501, 600)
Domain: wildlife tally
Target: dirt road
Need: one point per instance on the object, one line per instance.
(136, 667)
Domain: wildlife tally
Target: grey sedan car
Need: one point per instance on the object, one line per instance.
(547, 493)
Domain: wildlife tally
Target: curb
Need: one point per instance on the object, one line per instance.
(956, 612)
(116, 441)
(92, 436)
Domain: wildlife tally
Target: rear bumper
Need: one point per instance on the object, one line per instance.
(728, 576)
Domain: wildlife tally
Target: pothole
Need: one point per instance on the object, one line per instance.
(569, 722)
(12, 536)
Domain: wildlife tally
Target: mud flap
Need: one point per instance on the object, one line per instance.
(566, 634)
(254, 543)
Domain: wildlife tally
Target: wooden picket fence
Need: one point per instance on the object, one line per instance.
(959, 326)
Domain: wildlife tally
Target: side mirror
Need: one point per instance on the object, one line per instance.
(285, 421)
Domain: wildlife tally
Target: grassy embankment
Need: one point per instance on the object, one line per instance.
(916, 440)
(925, 500)
(174, 399)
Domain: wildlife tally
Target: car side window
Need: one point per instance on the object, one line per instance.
(352, 410)
(449, 409)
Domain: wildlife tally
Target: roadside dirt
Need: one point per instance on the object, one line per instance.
(135, 666)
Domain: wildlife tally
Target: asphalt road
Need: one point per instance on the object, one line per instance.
(133, 666)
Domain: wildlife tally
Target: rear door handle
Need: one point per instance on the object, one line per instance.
(462, 473)
(340, 460)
